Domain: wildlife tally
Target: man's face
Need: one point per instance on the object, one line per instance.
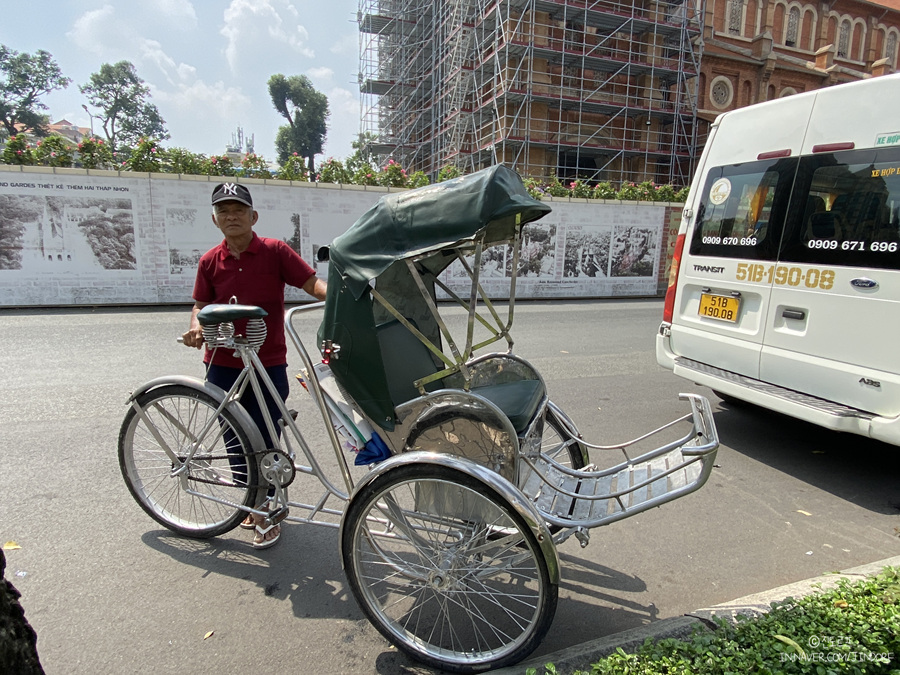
(234, 219)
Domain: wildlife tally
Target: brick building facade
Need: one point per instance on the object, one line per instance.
(757, 50)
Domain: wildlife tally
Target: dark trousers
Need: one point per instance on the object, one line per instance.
(225, 377)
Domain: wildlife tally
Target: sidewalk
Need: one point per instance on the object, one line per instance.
(581, 656)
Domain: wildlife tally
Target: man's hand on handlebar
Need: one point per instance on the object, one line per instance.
(193, 337)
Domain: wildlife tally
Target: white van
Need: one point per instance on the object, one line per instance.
(784, 289)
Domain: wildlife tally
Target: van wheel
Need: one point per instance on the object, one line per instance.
(729, 399)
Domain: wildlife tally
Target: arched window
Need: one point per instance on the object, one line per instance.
(844, 39)
(735, 16)
(793, 27)
(890, 49)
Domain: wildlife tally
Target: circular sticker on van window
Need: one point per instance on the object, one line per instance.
(719, 191)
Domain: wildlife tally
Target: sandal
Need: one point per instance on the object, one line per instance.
(247, 523)
(260, 542)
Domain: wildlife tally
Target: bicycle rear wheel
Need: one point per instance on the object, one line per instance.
(446, 569)
(222, 474)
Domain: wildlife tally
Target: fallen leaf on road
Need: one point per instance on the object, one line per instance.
(805, 513)
(209, 635)
(11, 546)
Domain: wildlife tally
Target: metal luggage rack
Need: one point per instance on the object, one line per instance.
(585, 498)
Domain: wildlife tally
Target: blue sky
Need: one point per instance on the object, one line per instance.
(206, 61)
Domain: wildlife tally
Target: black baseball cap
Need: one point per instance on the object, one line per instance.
(231, 192)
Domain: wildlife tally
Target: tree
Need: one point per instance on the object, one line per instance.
(24, 78)
(126, 115)
(306, 111)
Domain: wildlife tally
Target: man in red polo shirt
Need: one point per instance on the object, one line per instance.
(254, 270)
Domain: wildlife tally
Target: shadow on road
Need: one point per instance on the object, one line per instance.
(304, 567)
(857, 469)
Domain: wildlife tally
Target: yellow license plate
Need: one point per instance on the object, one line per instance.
(719, 307)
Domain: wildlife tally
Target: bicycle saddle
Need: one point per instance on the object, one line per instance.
(213, 314)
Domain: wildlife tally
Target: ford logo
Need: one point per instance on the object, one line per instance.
(864, 283)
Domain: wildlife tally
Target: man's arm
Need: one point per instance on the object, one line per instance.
(194, 335)
(316, 287)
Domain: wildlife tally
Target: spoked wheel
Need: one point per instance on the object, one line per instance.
(446, 569)
(154, 445)
(559, 445)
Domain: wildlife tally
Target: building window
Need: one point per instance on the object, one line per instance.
(735, 15)
(721, 93)
(793, 27)
(844, 39)
(787, 91)
(890, 49)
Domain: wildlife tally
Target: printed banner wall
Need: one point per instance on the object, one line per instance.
(75, 237)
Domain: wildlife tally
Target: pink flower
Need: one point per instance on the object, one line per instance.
(214, 160)
(18, 152)
(39, 143)
(295, 154)
(53, 154)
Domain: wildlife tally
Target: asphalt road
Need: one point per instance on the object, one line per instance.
(109, 591)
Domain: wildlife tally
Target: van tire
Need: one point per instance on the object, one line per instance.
(729, 399)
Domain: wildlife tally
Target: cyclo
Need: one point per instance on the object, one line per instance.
(472, 477)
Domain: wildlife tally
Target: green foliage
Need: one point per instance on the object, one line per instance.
(682, 194)
(448, 172)
(125, 115)
(853, 628)
(665, 193)
(332, 171)
(362, 156)
(293, 168)
(393, 175)
(24, 78)
(556, 189)
(217, 165)
(629, 192)
(418, 179)
(94, 153)
(18, 151)
(306, 111)
(54, 151)
(603, 190)
(580, 189)
(533, 187)
(366, 174)
(255, 166)
(181, 160)
(146, 156)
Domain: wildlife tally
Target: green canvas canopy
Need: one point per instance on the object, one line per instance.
(427, 225)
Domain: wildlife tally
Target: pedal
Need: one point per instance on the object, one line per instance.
(276, 517)
(293, 414)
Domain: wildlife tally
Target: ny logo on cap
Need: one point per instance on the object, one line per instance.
(229, 189)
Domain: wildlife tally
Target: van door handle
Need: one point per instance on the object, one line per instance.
(797, 314)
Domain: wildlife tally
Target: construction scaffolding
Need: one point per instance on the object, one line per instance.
(602, 91)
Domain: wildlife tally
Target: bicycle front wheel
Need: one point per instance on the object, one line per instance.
(204, 497)
(446, 569)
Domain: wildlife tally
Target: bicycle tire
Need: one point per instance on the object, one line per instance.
(178, 413)
(552, 440)
(470, 590)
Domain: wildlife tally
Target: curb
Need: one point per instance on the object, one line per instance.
(581, 656)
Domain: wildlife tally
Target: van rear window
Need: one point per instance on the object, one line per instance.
(847, 210)
(742, 210)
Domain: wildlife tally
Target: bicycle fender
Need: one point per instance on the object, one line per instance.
(234, 407)
(503, 487)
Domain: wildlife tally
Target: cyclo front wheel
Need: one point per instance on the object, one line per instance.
(446, 569)
(203, 498)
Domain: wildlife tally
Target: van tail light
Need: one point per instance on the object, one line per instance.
(669, 307)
